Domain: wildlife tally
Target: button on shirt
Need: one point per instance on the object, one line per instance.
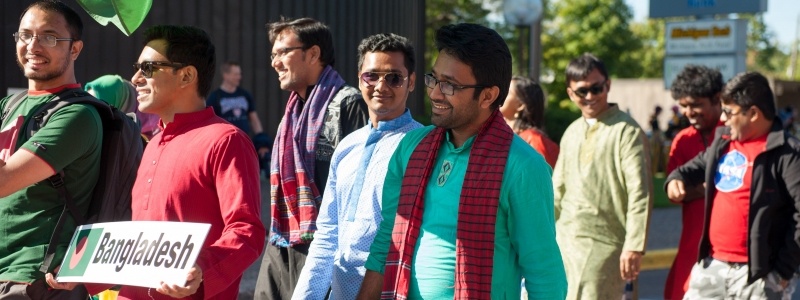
(351, 211)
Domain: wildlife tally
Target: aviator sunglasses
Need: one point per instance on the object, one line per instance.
(147, 66)
(595, 90)
(393, 79)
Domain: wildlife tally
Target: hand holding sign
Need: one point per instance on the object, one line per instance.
(53, 283)
(193, 280)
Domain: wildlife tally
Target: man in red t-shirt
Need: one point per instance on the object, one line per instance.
(697, 90)
(750, 244)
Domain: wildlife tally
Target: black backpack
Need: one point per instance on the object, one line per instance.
(119, 161)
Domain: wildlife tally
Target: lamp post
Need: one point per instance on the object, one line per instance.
(526, 13)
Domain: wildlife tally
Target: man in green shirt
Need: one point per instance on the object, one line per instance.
(47, 43)
(446, 183)
(603, 188)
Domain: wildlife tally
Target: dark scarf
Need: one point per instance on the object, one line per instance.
(477, 211)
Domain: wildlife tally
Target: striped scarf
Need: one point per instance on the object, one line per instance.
(294, 197)
(477, 211)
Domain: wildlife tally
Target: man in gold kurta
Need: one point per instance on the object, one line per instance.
(603, 189)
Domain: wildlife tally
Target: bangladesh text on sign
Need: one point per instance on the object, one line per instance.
(706, 37)
(138, 253)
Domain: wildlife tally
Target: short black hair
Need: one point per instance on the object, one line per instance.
(531, 94)
(481, 48)
(750, 89)
(383, 42)
(74, 23)
(188, 45)
(697, 82)
(580, 67)
(310, 32)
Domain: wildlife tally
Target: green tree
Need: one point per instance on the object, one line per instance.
(573, 27)
(763, 51)
(651, 55)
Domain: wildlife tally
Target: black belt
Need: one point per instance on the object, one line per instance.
(732, 264)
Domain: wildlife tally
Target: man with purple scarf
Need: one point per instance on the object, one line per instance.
(320, 112)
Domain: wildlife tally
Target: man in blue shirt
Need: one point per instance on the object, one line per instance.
(351, 206)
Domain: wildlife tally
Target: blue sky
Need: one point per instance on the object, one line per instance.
(781, 17)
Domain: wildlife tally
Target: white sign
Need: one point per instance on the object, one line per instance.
(138, 253)
(728, 64)
(706, 37)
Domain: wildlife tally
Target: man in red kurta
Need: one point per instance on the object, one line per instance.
(200, 168)
(697, 90)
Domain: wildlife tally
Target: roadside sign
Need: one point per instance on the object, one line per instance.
(727, 64)
(705, 37)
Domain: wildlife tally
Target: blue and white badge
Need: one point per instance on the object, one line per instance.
(730, 172)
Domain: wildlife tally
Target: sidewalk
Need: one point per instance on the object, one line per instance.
(662, 242)
(248, 284)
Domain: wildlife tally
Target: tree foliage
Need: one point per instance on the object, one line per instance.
(651, 55)
(763, 51)
(574, 27)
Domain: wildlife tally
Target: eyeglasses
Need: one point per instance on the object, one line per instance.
(393, 79)
(283, 51)
(446, 87)
(47, 40)
(147, 66)
(728, 112)
(595, 90)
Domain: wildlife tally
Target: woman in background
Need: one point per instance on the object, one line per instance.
(524, 112)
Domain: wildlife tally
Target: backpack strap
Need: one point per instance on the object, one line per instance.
(40, 118)
(12, 104)
(57, 181)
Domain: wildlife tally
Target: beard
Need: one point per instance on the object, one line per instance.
(43, 75)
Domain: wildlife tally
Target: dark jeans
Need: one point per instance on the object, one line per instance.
(280, 269)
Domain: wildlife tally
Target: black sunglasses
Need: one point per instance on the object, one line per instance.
(595, 90)
(147, 66)
(393, 79)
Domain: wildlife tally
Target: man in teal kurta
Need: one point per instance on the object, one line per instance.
(523, 232)
(603, 189)
(436, 241)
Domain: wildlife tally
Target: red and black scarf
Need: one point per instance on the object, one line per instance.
(477, 212)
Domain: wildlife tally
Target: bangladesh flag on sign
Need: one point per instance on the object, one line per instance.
(77, 260)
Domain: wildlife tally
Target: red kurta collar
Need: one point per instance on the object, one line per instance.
(181, 120)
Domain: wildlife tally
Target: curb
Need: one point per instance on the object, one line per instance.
(658, 259)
